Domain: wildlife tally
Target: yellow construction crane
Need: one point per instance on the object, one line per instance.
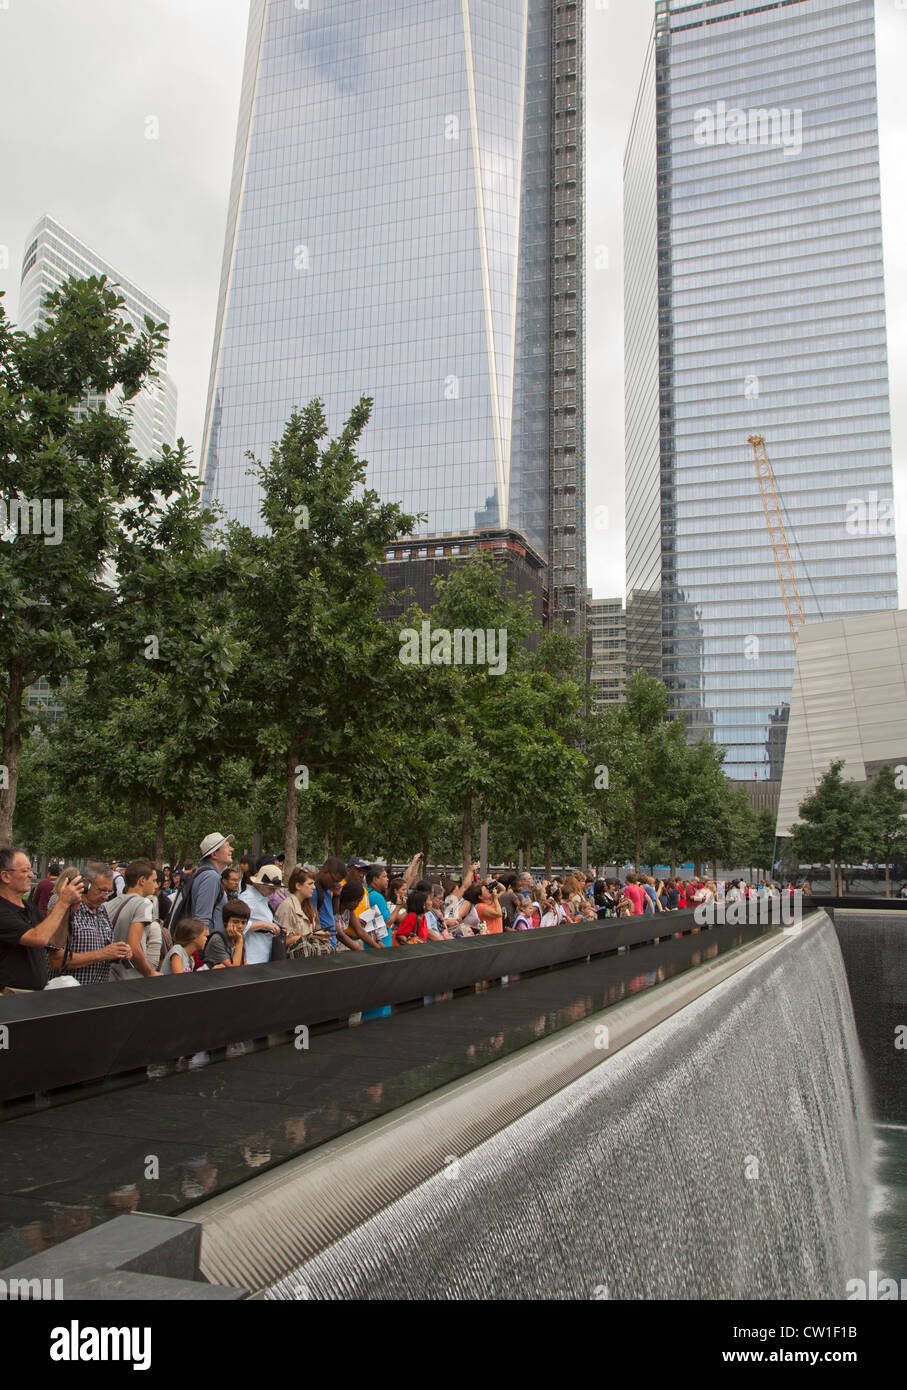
(771, 505)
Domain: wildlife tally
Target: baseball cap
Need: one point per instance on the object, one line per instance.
(269, 859)
(213, 842)
(357, 863)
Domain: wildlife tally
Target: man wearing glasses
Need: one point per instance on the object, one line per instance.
(23, 945)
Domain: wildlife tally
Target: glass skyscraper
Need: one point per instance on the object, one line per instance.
(754, 304)
(405, 223)
(52, 255)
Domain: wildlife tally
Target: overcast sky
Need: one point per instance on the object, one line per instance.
(79, 78)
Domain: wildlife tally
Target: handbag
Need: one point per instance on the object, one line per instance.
(279, 946)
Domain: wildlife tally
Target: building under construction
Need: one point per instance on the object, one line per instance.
(754, 306)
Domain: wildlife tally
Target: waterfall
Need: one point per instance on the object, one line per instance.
(724, 1154)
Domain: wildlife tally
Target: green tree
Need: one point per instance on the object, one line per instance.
(160, 686)
(68, 468)
(715, 809)
(635, 754)
(321, 669)
(884, 804)
(834, 825)
(472, 706)
(757, 844)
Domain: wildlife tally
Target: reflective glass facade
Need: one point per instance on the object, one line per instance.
(754, 304)
(389, 235)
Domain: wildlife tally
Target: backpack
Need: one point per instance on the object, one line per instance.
(182, 903)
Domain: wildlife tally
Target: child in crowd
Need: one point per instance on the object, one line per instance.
(523, 920)
(414, 926)
(348, 915)
(225, 948)
(188, 937)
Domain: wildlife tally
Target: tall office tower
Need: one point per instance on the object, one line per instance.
(606, 624)
(405, 223)
(754, 304)
(52, 255)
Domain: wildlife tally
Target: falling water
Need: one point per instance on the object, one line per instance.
(724, 1154)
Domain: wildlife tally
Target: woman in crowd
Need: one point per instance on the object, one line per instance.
(669, 895)
(414, 927)
(555, 912)
(297, 915)
(435, 911)
(489, 909)
(463, 918)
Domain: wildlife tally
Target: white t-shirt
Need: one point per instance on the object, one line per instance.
(123, 911)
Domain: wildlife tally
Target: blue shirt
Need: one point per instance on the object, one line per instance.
(376, 899)
(258, 943)
(326, 911)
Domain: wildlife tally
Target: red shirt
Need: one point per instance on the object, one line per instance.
(41, 895)
(636, 896)
(412, 923)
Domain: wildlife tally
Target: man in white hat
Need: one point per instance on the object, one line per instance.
(204, 897)
(261, 928)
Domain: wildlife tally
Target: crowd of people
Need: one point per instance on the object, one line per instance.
(108, 923)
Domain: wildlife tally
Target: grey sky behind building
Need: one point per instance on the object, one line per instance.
(118, 117)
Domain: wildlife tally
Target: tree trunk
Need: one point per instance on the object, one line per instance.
(637, 864)
(528, 862)
(697, 868)
(673, 861)
(159, 829)
(327, 845)
(291, 810)
(338, 835)
(887, 875)
(12, 746)
(547, 856)
(466, 844)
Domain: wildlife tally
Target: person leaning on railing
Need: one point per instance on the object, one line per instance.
(23, 942)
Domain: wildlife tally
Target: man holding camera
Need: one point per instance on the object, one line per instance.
(23, 944)
(91, 949)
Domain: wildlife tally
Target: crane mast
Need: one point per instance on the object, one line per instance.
(777, 535)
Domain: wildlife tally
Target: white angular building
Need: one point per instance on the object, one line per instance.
(849, 701)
